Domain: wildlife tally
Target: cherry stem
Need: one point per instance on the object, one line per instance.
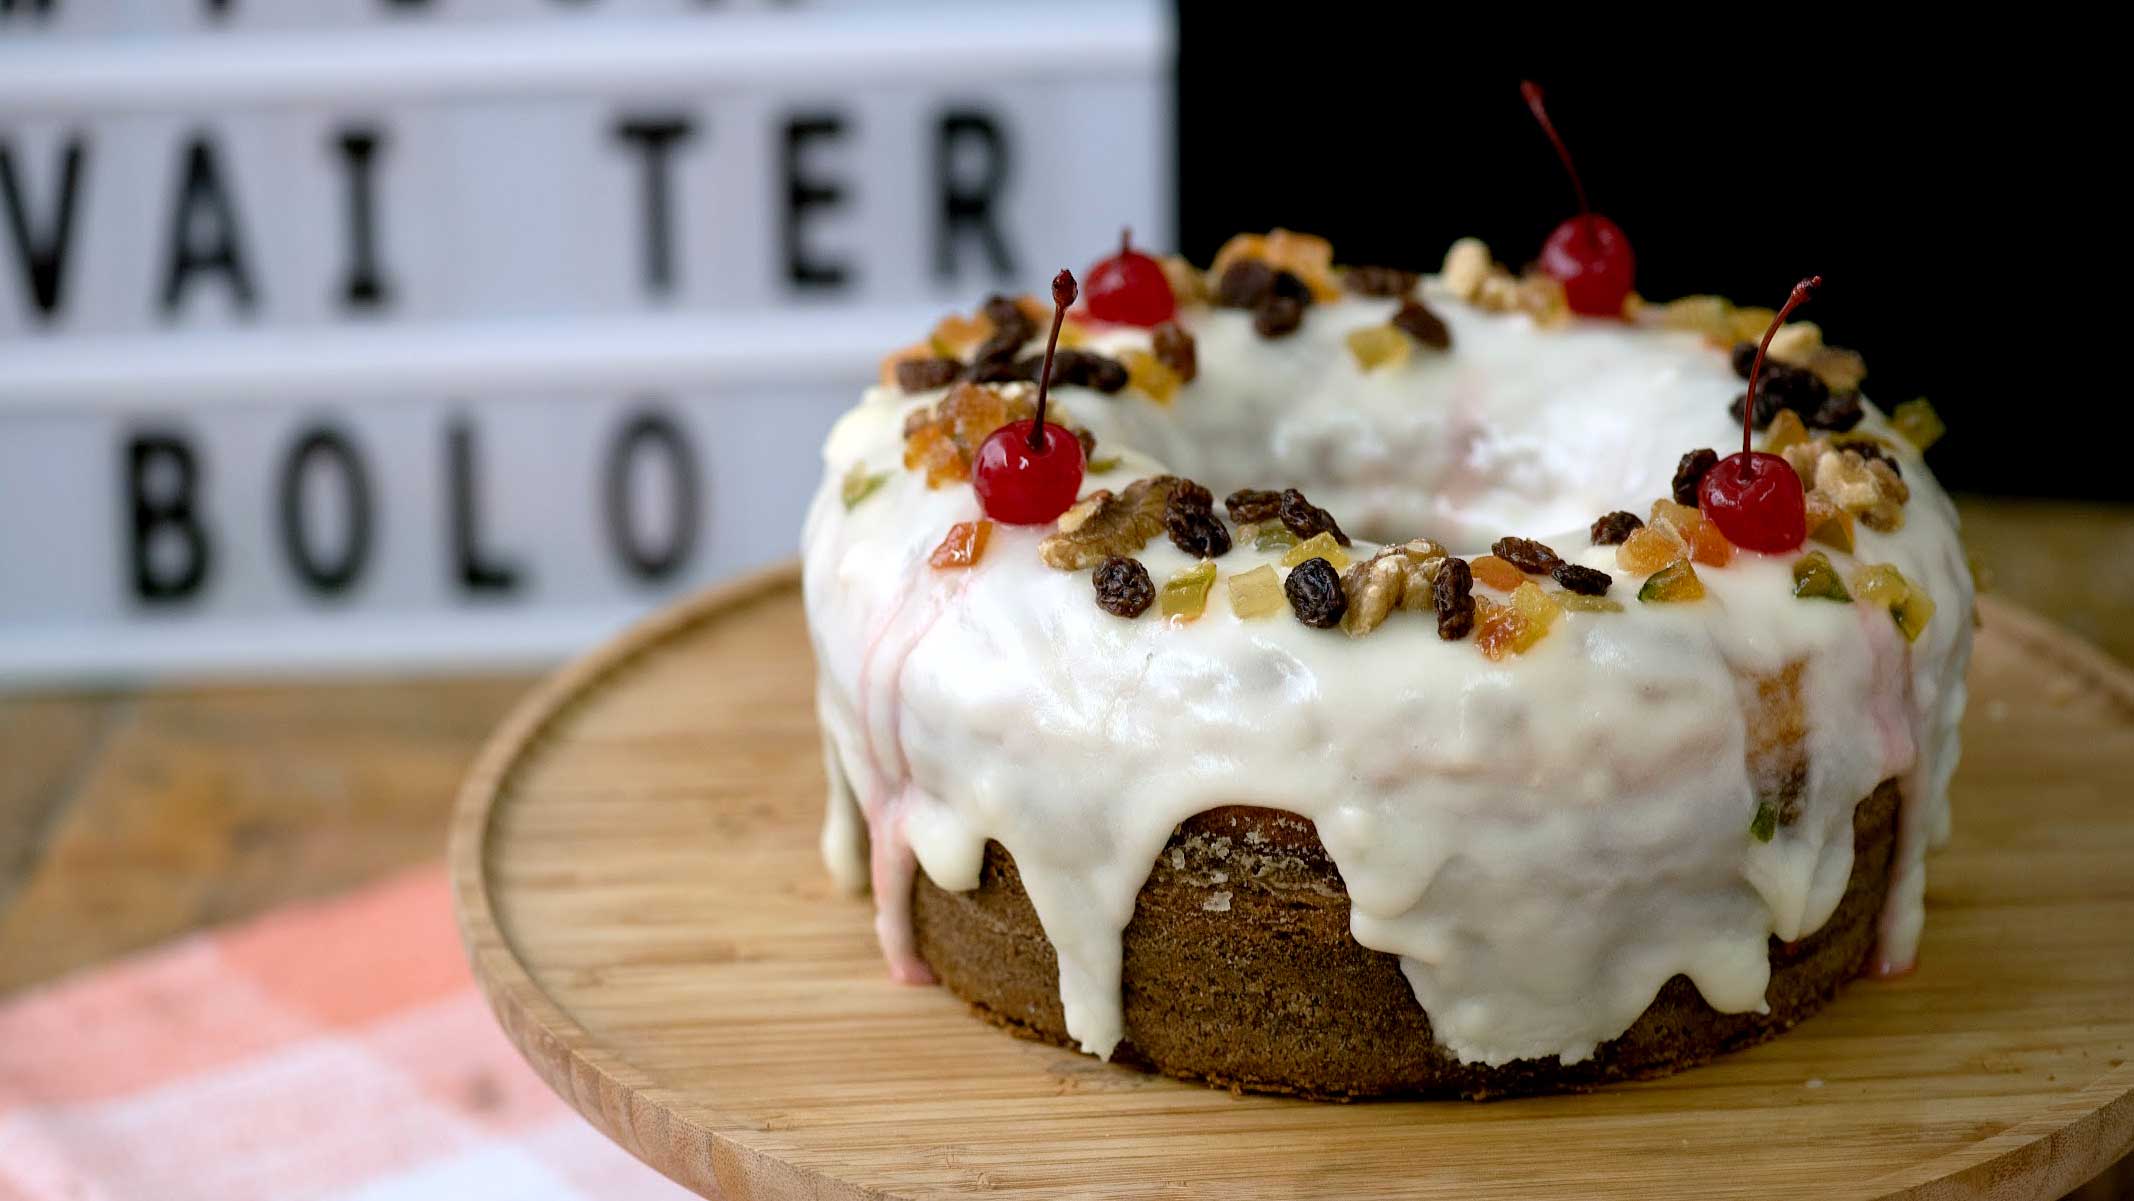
(1063, 292)
(1126, 240)
(1532, 91)
(1748, 404)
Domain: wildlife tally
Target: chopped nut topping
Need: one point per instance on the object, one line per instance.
(1466, 265)
(1918, 422)
(1856, 485)
(1397, 577)
(1113, 525)
(1188, 285)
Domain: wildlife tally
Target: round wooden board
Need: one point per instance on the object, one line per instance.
(637, 879)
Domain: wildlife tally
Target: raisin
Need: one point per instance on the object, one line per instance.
(1767, 407)
(1198, 532)
(1277, 316)
(1253, 504)
(1174, 348)
(1378, 281)
(1609, 529)
(1088, 442)
(1072, 368)
(1000, 347)
(1419, 323)
(1008, 317)
(1585, 581)
(1244, 284)
(1102, 373)
(1689, 472)
(1303, 518)
(1452, 595)
(1291, 286)
(1527, 555)
(1189, 518)
(1315, 595)
(1123, 586)
(924, 375)
(1840, 412)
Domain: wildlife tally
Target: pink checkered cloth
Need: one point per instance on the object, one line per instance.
(336, 1051)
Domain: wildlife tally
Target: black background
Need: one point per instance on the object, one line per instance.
(1934, 186)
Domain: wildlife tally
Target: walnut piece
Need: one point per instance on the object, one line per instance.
(1112, 525)
(1397, 577)
(1465, 266)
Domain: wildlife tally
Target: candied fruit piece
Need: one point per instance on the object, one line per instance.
(1496, 572)
(1711, 316)
(1376, 346)
(1918, 422)
(956, 335)
(909, 354)
(1256, 593)
(1185, 595)
(1829, 524)
(1273, 536)
(859, 484)
(1151, 376)
(1675, 582)
(1815, 579)
(1101, 466)
(1750, 323)
(942, 440)
(1908, 605)
(1576, 603)
(1764, 825)
(1706, 544)
(1319, 546)
(1649, 549)
(1498, 628)
(1786, 429)
(964, 545)
(1537, 611)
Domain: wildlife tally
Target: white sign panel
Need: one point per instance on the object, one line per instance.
(467, 331)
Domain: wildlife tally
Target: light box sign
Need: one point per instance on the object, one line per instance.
(448, 334)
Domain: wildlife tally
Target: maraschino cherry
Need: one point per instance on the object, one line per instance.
(1588, 254)
(1755, 498)
(1030, 474)
(1130, 288)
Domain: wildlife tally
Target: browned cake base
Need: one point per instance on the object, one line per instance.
(1271, 994)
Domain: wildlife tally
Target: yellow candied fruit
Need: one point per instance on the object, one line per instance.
(1671, 584)
(1909, 606)
(1495, 572)
(1318, 546)
(1787, 429)
(1185, 595)
(1256, 593)
(1272, 535)
(1711, 316)
(1578, 602)
(1918, 422)
(1647, 550)
(1498, 628)
(956, 335)
(1151, 376)
(1537, 612)
(1376, 346)
(964, 546)
(1701, 535)
(1105, 465)
(859, 484)
(1748, 325)
(1828, 523)
(1815, 579)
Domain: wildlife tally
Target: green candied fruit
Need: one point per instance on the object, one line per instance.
(1675, 582)
(1918, 422)
(860, 484)
(1104, 466)
(1273, 535)
(1913, 614)
(1815, 579)
(1765, 823)
(1185, 595)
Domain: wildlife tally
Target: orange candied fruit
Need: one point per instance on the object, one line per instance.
(909, 354)
(942, 441)
(1151, 376)
(1648, 549)
(1697, 532)
(1498, 628)
(1306, 256)
(964, 546)
(1495, 572)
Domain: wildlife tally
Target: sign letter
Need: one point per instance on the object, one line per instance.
(203, 231)
(803, 192)
(324, 445)
(44, 259)
(647, 432)
(162, 478)
(968, 197)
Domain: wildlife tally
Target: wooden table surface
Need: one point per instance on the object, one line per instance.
(127, 818)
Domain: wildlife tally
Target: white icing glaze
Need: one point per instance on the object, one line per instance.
(1543, 841)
